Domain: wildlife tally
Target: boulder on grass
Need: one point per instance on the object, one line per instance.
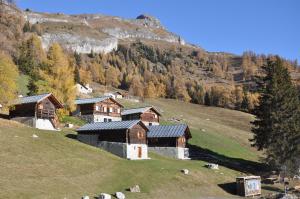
(212, 166)
(104, 196)
(85, 197)
(135, 189)
(185, 171)
(120, 195)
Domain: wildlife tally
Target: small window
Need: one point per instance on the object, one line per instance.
(109, 120)
(110, 109)
(118, 110)
(105, 119)
(155, 116)
(97, 108)
(140, 135)
(104, 109)
(150, 124)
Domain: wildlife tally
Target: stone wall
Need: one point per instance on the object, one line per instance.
(119, 149)
(173, 152)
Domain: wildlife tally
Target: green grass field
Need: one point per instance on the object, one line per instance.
(56, 166)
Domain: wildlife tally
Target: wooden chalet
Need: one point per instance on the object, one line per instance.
(148, 115)
(38, 111)
(169, 140)
(127, 139)
(102, 109)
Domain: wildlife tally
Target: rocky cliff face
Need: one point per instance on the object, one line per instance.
(97, 33)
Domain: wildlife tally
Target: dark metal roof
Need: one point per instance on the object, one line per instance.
(31, 99)
(167, 130)
(109, 125)
(91, 100)
(138, 110)
(96, 100)
(36, 99)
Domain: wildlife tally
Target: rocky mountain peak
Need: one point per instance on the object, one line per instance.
(149, 21)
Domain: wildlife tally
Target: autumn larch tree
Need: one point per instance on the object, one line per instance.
(8, 78)
(59, 77)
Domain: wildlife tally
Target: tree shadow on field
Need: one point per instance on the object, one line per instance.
(238, 164)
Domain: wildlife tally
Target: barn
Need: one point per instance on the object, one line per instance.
(100, 109)
(127, 139)
(169, 140)
(38, 111)
(148, 115)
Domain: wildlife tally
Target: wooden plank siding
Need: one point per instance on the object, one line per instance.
(23, 110)
(106, 107)
(137, 135)
(44, 109)
(149, 116)
(169, 141)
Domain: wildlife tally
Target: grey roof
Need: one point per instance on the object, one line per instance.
(137, 110)
(30, 99)
(167, 130)
(109, 125)
(91, 100)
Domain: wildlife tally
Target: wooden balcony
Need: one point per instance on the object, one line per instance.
(46, 113)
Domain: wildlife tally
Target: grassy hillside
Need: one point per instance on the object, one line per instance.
(56, 166)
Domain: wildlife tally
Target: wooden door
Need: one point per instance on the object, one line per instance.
(139, 152)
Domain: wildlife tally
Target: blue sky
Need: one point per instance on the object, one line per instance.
(264, 26)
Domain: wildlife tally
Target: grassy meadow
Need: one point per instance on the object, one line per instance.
(56, 165)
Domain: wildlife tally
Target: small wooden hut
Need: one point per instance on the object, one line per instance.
(248, 186)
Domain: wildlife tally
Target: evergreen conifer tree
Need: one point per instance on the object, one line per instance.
(277, 125)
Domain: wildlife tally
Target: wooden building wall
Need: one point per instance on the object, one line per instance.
(137, 135)
(149, 116)
(90, 109)
(23, 110)
(162, 142)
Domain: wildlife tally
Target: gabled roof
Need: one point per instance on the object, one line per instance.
(95, 100)
(118, 125)
(37, 99)
(161, 131)
(139, 110)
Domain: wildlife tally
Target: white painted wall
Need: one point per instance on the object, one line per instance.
(83, 90)
(44, 124)
(100, 118)
(153, 123)
(132, 151)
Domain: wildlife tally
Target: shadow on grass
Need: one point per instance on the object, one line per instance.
(72, 136)
(238, 164)
(4, 116)
(271, 188)
(229, 187)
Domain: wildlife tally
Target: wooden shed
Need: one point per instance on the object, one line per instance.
(248, 186)
(148, 115)
(170, 140)
(126, 139)
(38, 111)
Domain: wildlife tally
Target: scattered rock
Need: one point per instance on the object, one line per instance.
(120, 195)
(104, 196)
(35, 136)
(185, 171)
(69, 125)
(85, 197)
(288, 196)
(207, 119)
(297, 187)
(135, 189)
(212, 166)
(203, 130)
